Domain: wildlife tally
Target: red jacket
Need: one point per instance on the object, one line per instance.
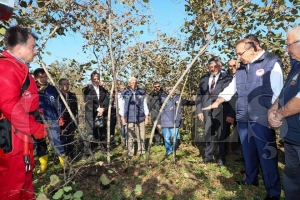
(15, 182)
(14, 108)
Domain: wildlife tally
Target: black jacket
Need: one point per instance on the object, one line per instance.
(71, 99)
(204, 98)
(92, 103)
(154, 103)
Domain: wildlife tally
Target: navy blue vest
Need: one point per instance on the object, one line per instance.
(134, 105)
(254, 89)
(169, 112)
(290, 130)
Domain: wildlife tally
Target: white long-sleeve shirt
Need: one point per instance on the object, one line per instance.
(276, 79)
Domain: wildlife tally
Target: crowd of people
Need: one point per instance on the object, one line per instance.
(250, 96)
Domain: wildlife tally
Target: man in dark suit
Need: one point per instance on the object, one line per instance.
(96, 102)
(214, 120)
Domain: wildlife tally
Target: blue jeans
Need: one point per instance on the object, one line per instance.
(291, 172)
(168, 134)
(55, 135)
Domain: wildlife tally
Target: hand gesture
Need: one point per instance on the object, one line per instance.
(275, 119)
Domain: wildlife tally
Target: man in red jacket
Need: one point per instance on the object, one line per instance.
(18, 99)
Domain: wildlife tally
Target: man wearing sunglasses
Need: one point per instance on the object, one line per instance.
(257, 83)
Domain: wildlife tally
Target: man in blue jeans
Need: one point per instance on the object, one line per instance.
(285, 114)
(171, 119)
(48, 104)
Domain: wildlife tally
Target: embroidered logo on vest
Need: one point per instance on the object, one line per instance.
(294, 80)
(260, 72)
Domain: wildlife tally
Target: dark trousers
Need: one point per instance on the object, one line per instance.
(291, 172)
(259, 145)
(113, 123)
(95, 135)
(235, 139)
(157, 135)
(67, 137)
(219, 125)
(41, 147)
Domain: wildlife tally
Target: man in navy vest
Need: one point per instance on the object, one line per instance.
(134, 115)
(257, 83)
(285, 113)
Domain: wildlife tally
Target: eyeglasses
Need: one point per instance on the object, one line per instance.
(241, 53)
(288, 45)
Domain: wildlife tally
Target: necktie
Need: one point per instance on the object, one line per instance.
(212, 85)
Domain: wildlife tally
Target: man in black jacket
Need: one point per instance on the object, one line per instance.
(66, 123)
(96, 102)
(218, 119)
(154, 104)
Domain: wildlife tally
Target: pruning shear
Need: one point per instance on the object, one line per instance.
(26, 152)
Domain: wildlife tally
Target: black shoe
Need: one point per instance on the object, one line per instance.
(206, 161)
(236, 152)
(166, 156)
(221, 163)
(241, 159)
(272, 198)
(245, 183)
(128, 157)
(84, 157)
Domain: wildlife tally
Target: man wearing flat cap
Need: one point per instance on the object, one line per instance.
(217, 120)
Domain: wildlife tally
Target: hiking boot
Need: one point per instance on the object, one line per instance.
(61, 160)
(43, 161)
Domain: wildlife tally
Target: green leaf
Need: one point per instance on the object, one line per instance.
(146, 1)
(54, 180)
(58, 194)
(110, 171)
(41, 3)
(67, 188)
(2, 31)
(294, 11)
(42, 197)
(78, 194)
(67, 196)
(104, 179)
(138, 188)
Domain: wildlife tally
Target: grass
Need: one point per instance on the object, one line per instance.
(187, 178)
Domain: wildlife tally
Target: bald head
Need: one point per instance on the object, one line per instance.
(232, 66)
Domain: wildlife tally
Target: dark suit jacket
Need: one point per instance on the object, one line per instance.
(92, 103)
(204, 98)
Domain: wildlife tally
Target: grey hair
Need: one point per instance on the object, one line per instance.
(295, 31)
(131, 79)
(168, 88)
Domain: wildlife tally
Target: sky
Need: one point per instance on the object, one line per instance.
(169, 16)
